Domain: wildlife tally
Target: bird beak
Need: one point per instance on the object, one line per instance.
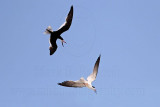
(63, 42)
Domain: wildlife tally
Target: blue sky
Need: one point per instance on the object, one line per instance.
(125, 32)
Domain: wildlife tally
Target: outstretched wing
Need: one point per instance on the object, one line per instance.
(76, 84)
(93, 75)
(64, 27)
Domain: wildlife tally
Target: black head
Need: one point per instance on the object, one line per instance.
(93, 86)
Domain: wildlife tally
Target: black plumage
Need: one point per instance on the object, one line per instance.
(54, 35)
(74, 84)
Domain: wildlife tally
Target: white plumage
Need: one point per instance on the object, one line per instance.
(82, 82)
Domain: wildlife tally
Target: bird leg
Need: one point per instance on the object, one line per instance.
(63, 42)
(95, 91)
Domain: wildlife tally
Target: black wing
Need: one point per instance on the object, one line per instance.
(75, 84)
(64, 27)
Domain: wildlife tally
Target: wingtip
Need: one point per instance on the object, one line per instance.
(71, 7)
(59, 83)
(99, 56)
(98, 59)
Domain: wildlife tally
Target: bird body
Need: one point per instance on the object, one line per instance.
(54, 35)
(82, 82)
(53, 38)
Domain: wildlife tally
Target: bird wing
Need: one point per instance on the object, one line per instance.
(93, 75)
(76, 84)
(64, 27)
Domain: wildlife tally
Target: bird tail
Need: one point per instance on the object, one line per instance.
(48, 30)
(52, 50)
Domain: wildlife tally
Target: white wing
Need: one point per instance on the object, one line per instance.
(93, 75)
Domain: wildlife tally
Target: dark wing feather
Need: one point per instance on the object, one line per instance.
(64, 27)
(72, 84)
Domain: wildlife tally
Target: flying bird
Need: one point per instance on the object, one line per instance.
(54, 35)
(82, 82)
